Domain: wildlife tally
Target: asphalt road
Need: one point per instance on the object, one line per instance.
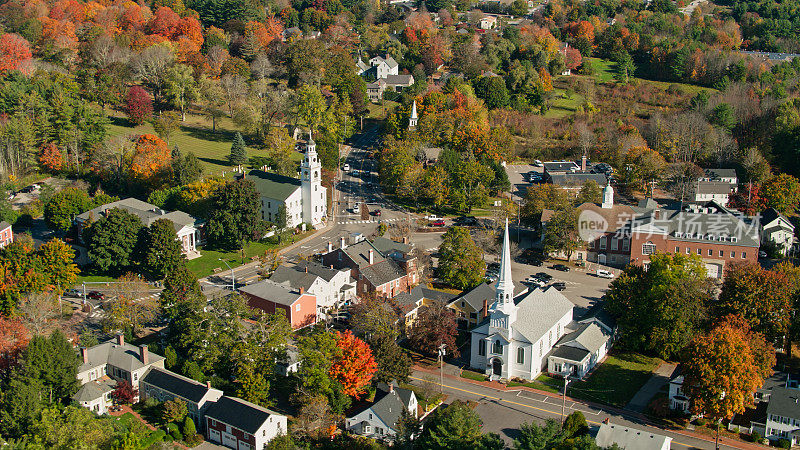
(503, 412)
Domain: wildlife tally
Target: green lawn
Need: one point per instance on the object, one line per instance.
(616, 380)
(210, 259)
(196, 136)
(472, 375)
(603, 69)
(561, 106)
(542, 383)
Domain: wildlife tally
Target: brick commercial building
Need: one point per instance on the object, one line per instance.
(616, 235)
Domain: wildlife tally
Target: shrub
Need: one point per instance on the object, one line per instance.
(173, 430)
(784, 443)
(188, 427)
(755, 436)
(700, 422)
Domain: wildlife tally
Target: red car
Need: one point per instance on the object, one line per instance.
(438, 223)
(376, 212)
(94, 295)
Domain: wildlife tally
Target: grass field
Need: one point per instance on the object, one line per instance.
(604, 72)
(196, 136)
(542, 383)
(561, 105)
(616, 380)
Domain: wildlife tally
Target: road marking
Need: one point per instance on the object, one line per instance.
(498, 399)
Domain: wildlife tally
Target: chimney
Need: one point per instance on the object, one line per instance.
(120, 339)
(583, 163)
(485, 307)
(391, 387)
(330, 247)
(371, 256)
(342, 242)
(85, 355)
(208, 384)
(144, 354)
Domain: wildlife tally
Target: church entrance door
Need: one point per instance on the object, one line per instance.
(497, 367)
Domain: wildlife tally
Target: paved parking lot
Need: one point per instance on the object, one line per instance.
(583, 288)
(518, 185)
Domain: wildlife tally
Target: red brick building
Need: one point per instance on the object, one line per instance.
(300, 307)
(6, 235)
(380, 266)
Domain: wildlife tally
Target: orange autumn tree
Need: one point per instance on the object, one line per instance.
(355, 365)
(14, 337)
(725, 366)
(151, 159)
(50, 157)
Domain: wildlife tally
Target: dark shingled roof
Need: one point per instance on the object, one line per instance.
(382, 272)
(171, 382)
(784, 402)
(418, 293)
(569, 353)
(272, 185)
(295, 278)
(326, 273)
(389, 405)
(386, 246)
(238, 413)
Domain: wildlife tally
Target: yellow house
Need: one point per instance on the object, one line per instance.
(419, 297)
(472, 306)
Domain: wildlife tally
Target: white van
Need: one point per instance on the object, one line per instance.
(602, 273)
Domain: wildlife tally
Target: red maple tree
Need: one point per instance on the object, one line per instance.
(138, 105)
(354, 367)
(15, 53)
(124, 393)
(51, 158)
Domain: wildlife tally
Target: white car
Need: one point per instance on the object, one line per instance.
(602, 273)
(538, 163)
(346, 167)
(432, 217)
(356, 209)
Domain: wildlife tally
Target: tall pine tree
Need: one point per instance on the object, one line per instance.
(238, 151)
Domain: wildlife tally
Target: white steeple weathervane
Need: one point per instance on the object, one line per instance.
(412, 121)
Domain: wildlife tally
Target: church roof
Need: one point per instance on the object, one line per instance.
(272, 185)
(539, 311)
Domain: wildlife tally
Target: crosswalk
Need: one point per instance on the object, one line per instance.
(346, 222)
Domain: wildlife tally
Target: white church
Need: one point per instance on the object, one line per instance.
(304, 200)
(520, 333)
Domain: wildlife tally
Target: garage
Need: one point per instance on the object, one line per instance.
(229, 440)
(213, 435)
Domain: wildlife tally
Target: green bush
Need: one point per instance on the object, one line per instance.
(700, 422)
(155, 437)
(784, 443)
(188, 427)
(173, 430)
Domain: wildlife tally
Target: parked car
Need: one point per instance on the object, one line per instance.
(762, 254)
(559, 285)
(346, 167)
(94, 295)
(356, 209)
(354, 173)
(465, 221)
(544, 276)
(73, 293)
(11, 195)
(29, 189)
(376, 212)
(432, 217)
(560, 267)
(538, 163)
(437, 223)
(602, 273)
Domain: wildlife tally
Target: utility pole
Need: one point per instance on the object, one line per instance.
(564, 399)
(442, 352)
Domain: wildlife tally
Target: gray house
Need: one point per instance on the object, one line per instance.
(379, 420)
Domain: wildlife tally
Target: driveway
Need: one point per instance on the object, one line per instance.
(661, 377)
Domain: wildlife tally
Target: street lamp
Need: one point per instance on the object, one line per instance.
(233, 276)
(442, 353)
(564, 399)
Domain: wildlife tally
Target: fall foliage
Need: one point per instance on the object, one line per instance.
(151, 158)
(13, 340)
(354, 367)
(15, 53)
(51, 158)
(138, 105)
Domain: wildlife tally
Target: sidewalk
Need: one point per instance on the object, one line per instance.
(661, 377)
(640, 418)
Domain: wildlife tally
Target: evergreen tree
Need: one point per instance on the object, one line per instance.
(238, 151)
(162, 249)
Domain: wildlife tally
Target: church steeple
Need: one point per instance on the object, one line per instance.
(412, 121)
(505, 285)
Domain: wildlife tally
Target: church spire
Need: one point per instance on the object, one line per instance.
(412, 121)
(505, 285)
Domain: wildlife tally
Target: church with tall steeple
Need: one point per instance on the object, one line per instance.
(291, 201)
(518, 333)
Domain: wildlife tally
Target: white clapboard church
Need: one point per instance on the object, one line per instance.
(519, 333)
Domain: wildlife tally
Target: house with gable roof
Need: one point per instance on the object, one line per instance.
(472, 307)
(412, 302)
(379, 419)
(777, 229)
(332, 288)
(164, 385)
(299, 306)
(241, 425)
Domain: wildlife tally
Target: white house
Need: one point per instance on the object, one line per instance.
(333, 288)
(103, 365)
(487, 22)
(187, 228)
(295, 201)
(516, 339)
(579, 351)
(383, 66)
(777, 229)
(678, 400)
(783, 415)
(241, 425)
(724, 175)
(705, 191)
(379, 420)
